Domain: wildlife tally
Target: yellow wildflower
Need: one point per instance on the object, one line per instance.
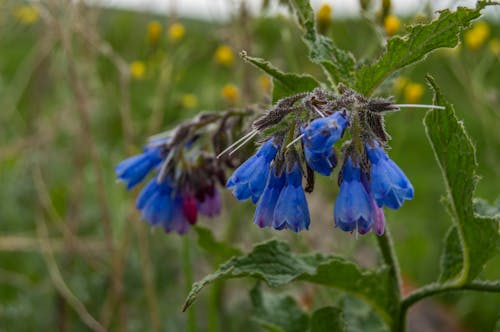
(224, 55)
(176, 31)
(189, 100)
(154, 32)
(475, 37)
(137, 70)
(494, 46)
(265, 83)
(230, 93)
(324, 13)
(413, 92)
(26, 14)
(324, 17)
(392, 24)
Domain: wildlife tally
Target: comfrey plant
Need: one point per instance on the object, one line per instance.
(313, 127)
(316, 121)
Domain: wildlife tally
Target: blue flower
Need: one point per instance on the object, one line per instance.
(322, 133)
(291, 210)
(321, 162)
(162, 205)
(352, 208)
(250, 178)
(155, 202)
(134, 169)
(388, 184)
(265, 208)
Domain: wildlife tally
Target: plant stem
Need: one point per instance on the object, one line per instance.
(389, 256)
(437, 288)
(188, 277)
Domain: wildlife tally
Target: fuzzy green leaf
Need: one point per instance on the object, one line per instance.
(477, 236)
(273, 263)
(284, 84)
(327, 319)
(338, 64)
(278, 312)
(416, 44)
(221, 250)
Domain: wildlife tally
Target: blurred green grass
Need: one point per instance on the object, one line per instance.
(41, 129)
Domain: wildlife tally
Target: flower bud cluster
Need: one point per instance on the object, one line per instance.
(185, 171)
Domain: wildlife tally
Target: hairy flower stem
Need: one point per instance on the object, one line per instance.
(188, 278)
(437, 288)
(389, 255)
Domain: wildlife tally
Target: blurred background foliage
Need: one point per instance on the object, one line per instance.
(83, 87)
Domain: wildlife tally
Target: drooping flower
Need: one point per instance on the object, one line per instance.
(250, 178)
(388, 184)
(156, 203)
(264, 212)
(211, 205)
(319, 137)
(134, 169)
(291, 210)
(323, 163)
(322, 133)
(353, 210)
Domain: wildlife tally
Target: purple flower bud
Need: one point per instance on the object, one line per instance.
(211, 205)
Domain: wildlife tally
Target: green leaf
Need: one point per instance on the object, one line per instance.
(474, 239)
(338, 64)
(220, 250)
(284, 84)
(273, 263)
(416, 44)
(278, 312)
(360, 317)
(327, 319)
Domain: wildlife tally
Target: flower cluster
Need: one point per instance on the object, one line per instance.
(185, 177)
(172, 201)
(368, 179)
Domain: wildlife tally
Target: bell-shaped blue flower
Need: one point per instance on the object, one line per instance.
(155, 202)
(322, 133)
(388, 184)
(249, 180)
(321, 162)
(265, 208)
(353, 210)
(134, 169)
(291, 210)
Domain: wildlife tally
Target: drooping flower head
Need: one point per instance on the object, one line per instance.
(353, 209)
(264, 212)
(291, 210)
(134, 169)
(249, 180)
(388, 184)
(319, 137)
